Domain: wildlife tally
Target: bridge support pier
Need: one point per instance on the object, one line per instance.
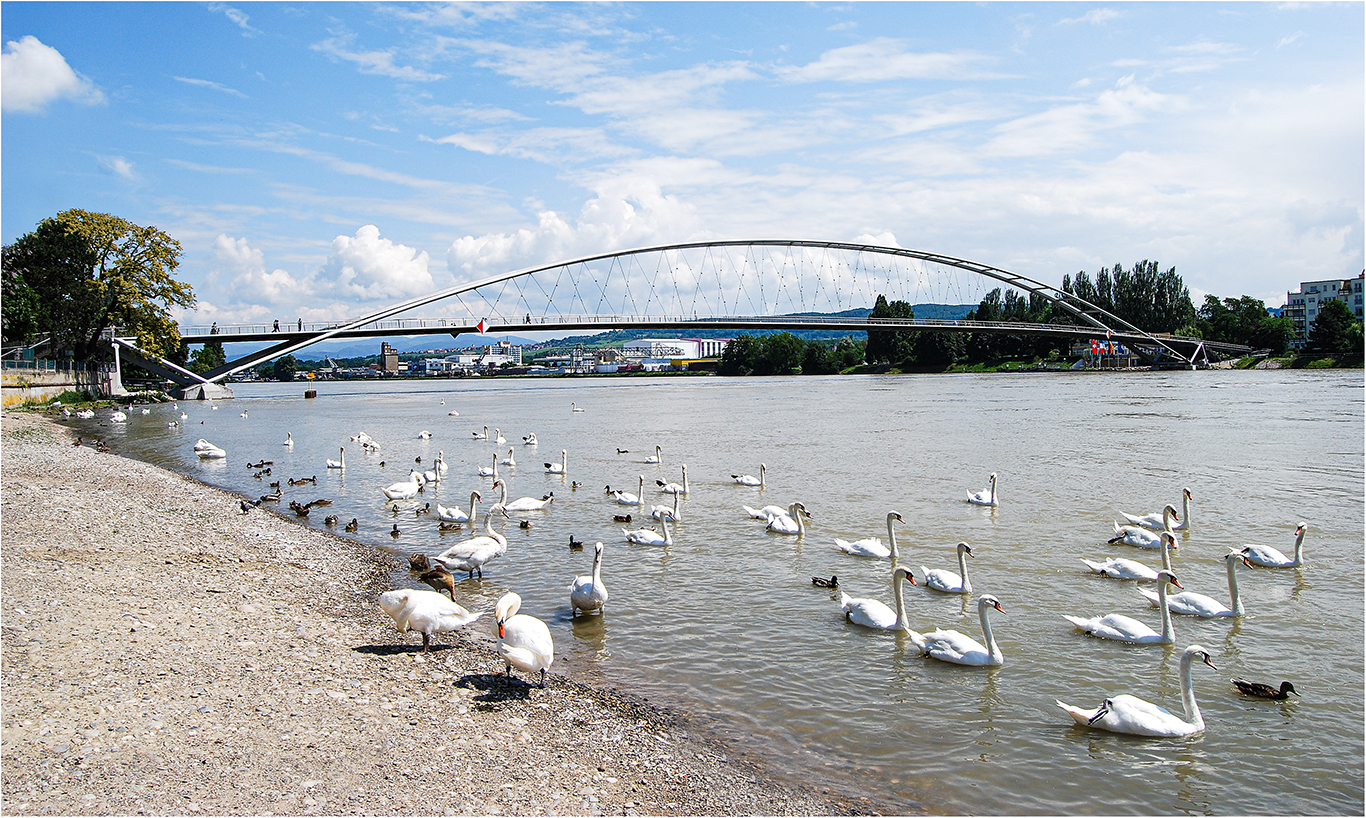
(203, 391)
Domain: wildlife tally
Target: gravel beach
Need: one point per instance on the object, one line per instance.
(165, 653)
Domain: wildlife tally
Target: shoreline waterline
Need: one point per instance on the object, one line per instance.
(164, 652)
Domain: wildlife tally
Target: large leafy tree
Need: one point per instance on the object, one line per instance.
(80, 273)
(207, 357)
(1144, 296)
(890, 345)
(284, 368)
(1331, 331)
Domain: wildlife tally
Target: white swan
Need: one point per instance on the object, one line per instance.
(424, 435)
(522, 503)
(452, 414)
(756, 513)
(673, 512)
(986, 497)
(490, 472)
(961, 649)
(441, 467)
(524, 641)
(498, 437)
(530, 440)
(118, 416)
(872, 546)
(427, 612)
(471, 555)
(872, 613)
(561, 467)
(1140, 537)
(207, 451)
(793, 521)
(947, 581)
(455, 515)
(481, 435)
(1268, 557)
(510, 460)
(1123, 628)
(1155, 520)
(1193, 604)
(574, 407)
(1120, 568)
(675, 488)
(289, 440)
(1130, 714)
(751, 480)
(655, 458)
(588, 593)
(340, 464)
(405, 489)
(648, 536)
(626, 498)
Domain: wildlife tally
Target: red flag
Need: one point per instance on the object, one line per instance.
(480, 326)
(1095, 347)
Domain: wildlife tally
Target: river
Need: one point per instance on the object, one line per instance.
(726, 626)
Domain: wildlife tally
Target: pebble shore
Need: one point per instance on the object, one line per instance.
(164, 653)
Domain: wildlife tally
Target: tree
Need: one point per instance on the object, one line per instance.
(80, 273)
(890, 345)
(782, 354)
(740, 356)
(284, 368)
(1332, 329)
(207, 357)
(938, 349)
(1150, 300)
(819, 359)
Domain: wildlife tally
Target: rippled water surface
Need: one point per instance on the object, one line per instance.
(725, 623)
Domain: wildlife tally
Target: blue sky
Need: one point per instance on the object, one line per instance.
(319, 160)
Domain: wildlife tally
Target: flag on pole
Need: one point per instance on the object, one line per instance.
(1095, 347)
(480, 326)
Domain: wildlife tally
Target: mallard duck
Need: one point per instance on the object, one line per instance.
(353, 526)
(441, 580)
(331, 520)
(822, 582)
(418, 561)
(621, 518)
(1262, 691)
(395, 532)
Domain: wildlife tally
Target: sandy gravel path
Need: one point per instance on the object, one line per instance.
(164, 653)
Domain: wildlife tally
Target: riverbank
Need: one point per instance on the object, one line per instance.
(164, 653)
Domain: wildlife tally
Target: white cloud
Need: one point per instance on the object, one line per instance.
(236, 16)
(1293, 38)
(550, 145)
(119, 166)
(246, 265)
(1095, 17)
(372, 62)
(368, 267)
(215, 86)
(626, 212)
(1077, 126)
(884, 59)
(33, 75)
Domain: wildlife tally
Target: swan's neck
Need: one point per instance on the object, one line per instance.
(1188, 694)
(668, 537)
(891, 539)
(1185, 511)
(597, 571)
(801, 524)
(993, 491)
(685, 481)
(677, 511)
(1237, 602)
(474, 500)
(993, 650)
(488, 525)
(1168, 633)
(902, 623)
(761, 476)
(1166, 556)
(963, 572)
(503, 491)
(1299, 549)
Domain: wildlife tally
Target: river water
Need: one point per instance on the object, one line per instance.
(726, 626)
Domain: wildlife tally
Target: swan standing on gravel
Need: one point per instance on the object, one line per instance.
(455, 515)
(791, 522)
(1123, 628)
(471, 555)
(648, 536)
(1156, 520)
(872, 613)
(524, 641)
(872, 546)
(1194, 604)
(986, 497)
(947, 581)
(588, 593)
(960, 649)
(561, 467)
(751, 480)
(427, 612)
(338, 464)
(1130, 714)
(1268, 557)
(675, 488)
(1140, 537)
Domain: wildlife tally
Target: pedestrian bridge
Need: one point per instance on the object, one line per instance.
(766, 284)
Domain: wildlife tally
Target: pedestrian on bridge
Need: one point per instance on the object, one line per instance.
(277, 325)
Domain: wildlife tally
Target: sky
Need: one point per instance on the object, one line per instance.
(324, 160)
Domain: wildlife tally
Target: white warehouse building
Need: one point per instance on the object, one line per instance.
(675, 347)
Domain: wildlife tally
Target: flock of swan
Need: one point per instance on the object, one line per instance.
(525, 641)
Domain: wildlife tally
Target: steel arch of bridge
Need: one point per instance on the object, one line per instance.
(1099, 321)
